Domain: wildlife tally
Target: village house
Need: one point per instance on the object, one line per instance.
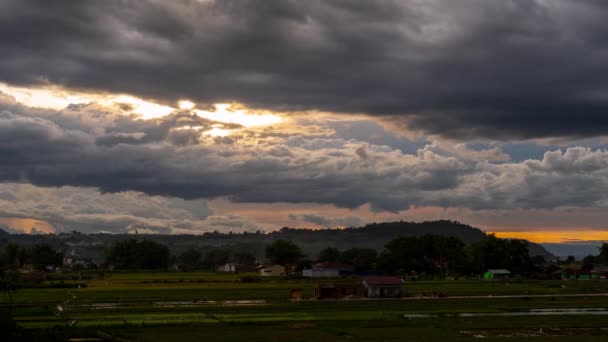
(236, 268)
(497, 274)
(383, 286)
(271, 271)
(328, 270)
(73, 260)
(578, 273)
(601, 272)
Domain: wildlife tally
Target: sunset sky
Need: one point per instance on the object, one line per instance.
(192, 116)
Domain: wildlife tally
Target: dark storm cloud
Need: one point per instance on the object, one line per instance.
(472, 68)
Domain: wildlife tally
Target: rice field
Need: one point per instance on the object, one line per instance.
(148, 306)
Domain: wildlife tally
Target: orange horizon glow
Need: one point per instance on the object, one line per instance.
(556, 236)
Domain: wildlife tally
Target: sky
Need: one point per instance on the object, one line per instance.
(191, 116)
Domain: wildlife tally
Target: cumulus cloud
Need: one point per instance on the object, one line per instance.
(62, 148)
(473, 68)
(41, 149)
(87, 210)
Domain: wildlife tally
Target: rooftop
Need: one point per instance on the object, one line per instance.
(382, 280)
(332, 265)
(499, 271)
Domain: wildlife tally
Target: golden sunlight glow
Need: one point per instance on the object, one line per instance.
(556, 236)
(52, 98)
(26, 225)
(59, 98)
(219, 132)
(229, 113)
(148, 110)
(186, 105)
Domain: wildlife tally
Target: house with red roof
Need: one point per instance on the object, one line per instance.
(383, 286)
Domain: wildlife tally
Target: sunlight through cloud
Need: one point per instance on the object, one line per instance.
(59, 98)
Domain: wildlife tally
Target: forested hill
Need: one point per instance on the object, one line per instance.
(375, 235)
(312, 241)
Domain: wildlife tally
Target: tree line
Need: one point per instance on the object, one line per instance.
(436, 255)
(39, 256)
(147, 254)
(429, 254)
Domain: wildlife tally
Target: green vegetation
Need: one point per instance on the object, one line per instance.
(133, 254)
(283, 252)
(39, 256)
(362, 259)
(445, 298)
(372, 236)
(150, 306)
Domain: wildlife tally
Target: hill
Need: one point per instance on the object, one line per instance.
(374, 235)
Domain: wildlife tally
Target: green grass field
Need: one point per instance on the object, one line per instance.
(153, 306)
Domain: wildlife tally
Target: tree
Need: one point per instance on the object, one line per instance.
(590, 260)
(151, 255)
(493, 252)
(8, 285)
(43, 254)
(215, 258)
(432, 254)
(362, 259)
(442, 254)
(131, 254)
(121, 255)
(8, 280)
(570, 259)
(303, 264)
(190, 258)
(329, 254)
(283, 252)
(244, 258)
(11, 255)
(402, 254)
(603, 257)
